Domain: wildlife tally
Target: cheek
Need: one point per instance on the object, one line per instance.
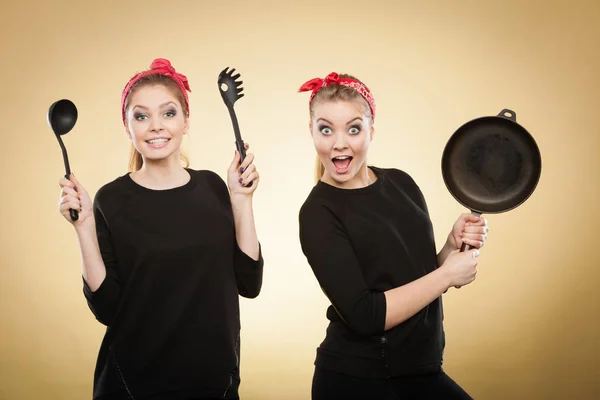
(177, 124)
(361, 144)
(321, 143)
(135, 130)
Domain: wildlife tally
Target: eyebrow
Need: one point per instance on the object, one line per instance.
(161, 106)
(347, 123)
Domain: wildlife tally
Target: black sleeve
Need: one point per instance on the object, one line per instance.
(248, 272)
(104, 301)
(331, 257)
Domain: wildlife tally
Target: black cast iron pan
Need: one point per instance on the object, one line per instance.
(491, 164)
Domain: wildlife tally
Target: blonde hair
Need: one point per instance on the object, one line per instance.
(334, 92)
(135, 158)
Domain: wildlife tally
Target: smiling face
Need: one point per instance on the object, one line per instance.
(342, 131)
(156, 122)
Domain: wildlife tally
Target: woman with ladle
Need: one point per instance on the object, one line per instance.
(166, 250)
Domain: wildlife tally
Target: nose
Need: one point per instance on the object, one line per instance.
(156, 125)
(340, 141)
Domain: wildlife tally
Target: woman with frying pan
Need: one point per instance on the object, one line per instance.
(367, 236)
(166, 250)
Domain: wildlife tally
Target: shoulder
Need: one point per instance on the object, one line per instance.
(207, 176)
(396, 176)
(210, 180)
(317, 207)
(111, 196)
(401, 181)
(112, 190)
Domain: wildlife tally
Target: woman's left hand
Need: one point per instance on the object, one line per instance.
(469, 229)
(240, 176)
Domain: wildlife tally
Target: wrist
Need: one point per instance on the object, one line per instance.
(86, 229)
(239, 200)
(241, 204)
(444, 277)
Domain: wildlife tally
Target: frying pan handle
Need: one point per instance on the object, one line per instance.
(464, 246)
(508, 114)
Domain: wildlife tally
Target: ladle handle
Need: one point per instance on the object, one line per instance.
(73, 213)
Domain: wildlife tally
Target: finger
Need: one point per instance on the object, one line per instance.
(247, 161)
(477, 233)
(69, 198)
(68, 191)
(246, 145)
(469, 217)
(251, 178)
(62, 182)
(475, 228)
(70, 205)
(250, 169)
(474, 243)
(473, 236)
(66, 212)
(476, 221)
(475, 253)
(78, 185)
(234, 162)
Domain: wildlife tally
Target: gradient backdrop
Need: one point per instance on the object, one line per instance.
(528, 327)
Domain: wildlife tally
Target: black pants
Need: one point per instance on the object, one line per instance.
(330, 385)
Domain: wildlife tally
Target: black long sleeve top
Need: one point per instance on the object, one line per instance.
(170, 297)
(359, 244)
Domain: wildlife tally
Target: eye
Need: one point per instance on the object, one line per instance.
(170, 113)
(325, 130)
(354, 130)
(140, 117)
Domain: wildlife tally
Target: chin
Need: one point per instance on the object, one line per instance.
(341, 178)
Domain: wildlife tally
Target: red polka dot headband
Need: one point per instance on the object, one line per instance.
(317, 84)
(159, 66)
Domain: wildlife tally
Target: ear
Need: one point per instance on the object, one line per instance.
(127, 132)
(186, 125)
(372, 133)
(310, 127)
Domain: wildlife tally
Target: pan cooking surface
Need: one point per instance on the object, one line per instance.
(491, 165)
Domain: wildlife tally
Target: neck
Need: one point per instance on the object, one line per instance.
(161, 174)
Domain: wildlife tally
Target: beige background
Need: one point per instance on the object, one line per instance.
(528, 328)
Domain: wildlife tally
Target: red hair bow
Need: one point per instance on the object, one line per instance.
(317, 84)
(160, 66)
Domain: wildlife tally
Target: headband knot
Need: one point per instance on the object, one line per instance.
(160, 66)
(316, 84)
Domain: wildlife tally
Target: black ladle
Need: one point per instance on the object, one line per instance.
(62, 116)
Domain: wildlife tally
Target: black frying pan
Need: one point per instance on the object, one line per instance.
(491, 164)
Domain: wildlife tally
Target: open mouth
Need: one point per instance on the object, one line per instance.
(158, 142)
(341, 164)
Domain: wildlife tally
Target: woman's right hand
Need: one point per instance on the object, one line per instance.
(74, 196)
(461, 267)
